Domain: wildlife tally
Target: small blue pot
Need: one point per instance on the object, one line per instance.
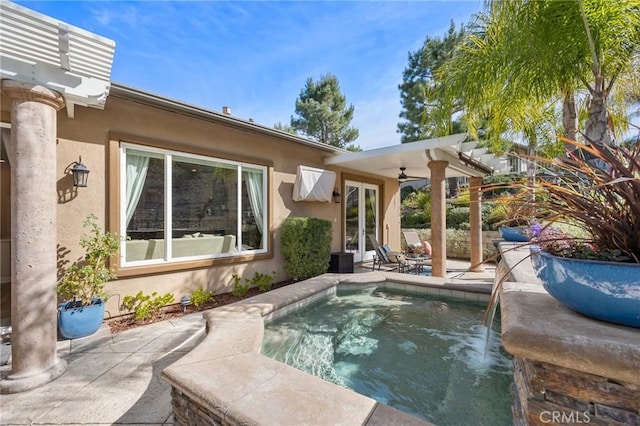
(608, 291)
(514, 234)
(80, 321)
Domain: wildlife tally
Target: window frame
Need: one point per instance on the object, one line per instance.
(117, 209)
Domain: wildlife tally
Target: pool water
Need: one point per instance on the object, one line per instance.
(422, 355)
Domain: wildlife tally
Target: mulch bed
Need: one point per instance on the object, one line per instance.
(127, 322)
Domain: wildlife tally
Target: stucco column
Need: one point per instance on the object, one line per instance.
(438, 218)
(475, 219)
(34, 360)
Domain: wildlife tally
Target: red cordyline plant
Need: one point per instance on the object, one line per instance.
(597, 188)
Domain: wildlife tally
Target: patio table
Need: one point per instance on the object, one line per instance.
(415, 265)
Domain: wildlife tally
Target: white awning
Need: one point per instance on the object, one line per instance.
(41, 50)
(313, 184)
(415, 156)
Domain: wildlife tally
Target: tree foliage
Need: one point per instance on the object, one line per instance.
(425, 110)
(322, 113)
(285, 128)
(524, 57)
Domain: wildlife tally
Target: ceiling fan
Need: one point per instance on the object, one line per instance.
(403, 175)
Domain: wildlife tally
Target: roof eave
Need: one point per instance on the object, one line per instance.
(180, 107)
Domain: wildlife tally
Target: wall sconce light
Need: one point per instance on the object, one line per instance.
(336, 196)
(80, 173)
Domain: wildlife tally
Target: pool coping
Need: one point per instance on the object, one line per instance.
(228, 377)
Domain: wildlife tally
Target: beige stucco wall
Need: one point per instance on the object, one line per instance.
(89, 135)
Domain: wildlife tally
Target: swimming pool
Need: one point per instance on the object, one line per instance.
(227, 380)
(422, 354)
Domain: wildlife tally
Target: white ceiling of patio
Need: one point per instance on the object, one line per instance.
(463, 157)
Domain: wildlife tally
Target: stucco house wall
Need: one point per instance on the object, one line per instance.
(140, 118)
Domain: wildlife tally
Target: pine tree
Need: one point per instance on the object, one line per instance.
(425, 113)
(322, 113)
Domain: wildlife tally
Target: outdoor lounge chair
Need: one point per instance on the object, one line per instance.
(415, 245)
(388, 258)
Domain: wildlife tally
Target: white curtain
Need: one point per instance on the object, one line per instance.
(137, 166)
(6, 141)
(253, 181)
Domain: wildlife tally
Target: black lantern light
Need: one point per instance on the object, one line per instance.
(80, 173)
(336, 196)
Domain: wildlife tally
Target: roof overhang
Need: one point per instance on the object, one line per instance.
(124, 92)
(38, 49)
(463, 158)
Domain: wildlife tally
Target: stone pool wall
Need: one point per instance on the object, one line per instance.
(569, 369)
(548, 394)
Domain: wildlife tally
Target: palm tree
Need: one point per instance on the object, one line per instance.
(524, 53)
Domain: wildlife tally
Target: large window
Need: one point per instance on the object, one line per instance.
(179, 206)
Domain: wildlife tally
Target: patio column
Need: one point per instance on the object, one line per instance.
(34, 360)
(475, 217)
(438, 219)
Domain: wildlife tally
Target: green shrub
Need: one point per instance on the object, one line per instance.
(405, 192)
(409, 201)
(456, 216)
(263, 281)
(239, 290)
(458, 246)
(201, 297)
(146, 306)
(498, 185)
(85, 279)
(463, 199)
(423, 200)
(415, 219)
(305, 243)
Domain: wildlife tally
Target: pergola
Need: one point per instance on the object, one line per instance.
(435, 159)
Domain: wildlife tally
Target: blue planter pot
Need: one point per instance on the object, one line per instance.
(80, 321)
(514, 234)
(608, 291)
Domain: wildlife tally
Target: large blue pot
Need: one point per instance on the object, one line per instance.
(80, 321)
(514, 233)
(608, 291)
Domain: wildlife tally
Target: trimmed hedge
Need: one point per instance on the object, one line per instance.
(305, 244)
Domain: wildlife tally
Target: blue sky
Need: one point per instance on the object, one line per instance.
(256, 56)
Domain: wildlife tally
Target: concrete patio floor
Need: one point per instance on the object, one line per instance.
(115, 379)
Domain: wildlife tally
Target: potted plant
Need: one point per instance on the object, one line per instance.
(597, 189)
(518, 212)
(81, 290)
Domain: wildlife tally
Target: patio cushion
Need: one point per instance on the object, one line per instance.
(427, 248)
(384, 253)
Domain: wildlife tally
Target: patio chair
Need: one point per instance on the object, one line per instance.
(386, 257)
(415, 245)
